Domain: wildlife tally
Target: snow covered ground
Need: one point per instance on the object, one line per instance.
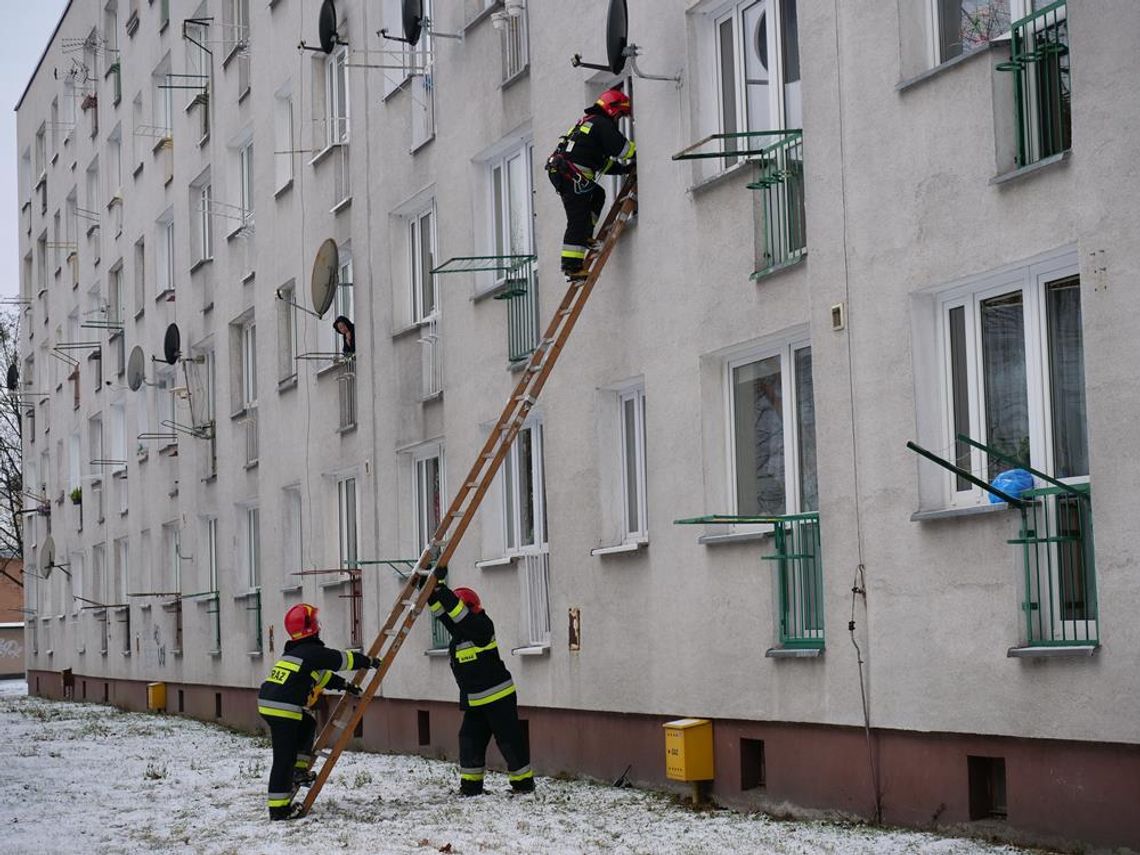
(89, 778)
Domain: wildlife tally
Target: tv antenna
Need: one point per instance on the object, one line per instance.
(619, 48)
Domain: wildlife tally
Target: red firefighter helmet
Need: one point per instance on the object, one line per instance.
(615, 103)
(469, 598)
(301, 621)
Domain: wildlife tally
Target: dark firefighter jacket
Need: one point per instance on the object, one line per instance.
(597, 147)
(305, 668)
(473, 651)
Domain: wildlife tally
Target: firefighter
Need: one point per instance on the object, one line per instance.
(306, 667)
(486, 690)
(593, 147)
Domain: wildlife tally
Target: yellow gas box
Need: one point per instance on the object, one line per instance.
(156, 696)
(689, 749)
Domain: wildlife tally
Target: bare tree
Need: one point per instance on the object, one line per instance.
(11, 459)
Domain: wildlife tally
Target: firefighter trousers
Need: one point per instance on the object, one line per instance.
(292, 749)
(501, 720)
(583, 203)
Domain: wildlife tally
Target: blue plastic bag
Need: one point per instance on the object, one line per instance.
(1013, 482)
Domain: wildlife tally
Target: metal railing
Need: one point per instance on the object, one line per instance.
(521, 296)
(1039, 62)
(342, 175)
(780, 180)
(440, 639)
(431, 357)
(1060, 574)
(800, 564)
(253, 608)
(346, 397)
(514, 42)
(536, 599)
(251, 444)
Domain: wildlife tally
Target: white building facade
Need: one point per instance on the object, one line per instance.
(859, 225)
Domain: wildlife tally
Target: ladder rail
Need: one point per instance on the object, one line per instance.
(411, 601)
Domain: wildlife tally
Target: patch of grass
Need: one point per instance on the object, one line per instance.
(363, 778)
(252, 769)
(155, 771)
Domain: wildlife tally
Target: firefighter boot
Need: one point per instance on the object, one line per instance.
(576, 275)
(303, 777)
(470, 788)
(526, 785)
(284, 812)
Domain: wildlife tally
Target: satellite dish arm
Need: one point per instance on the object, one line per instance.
(383, 33)
(632, 51)
(318, 49)
(576, 61)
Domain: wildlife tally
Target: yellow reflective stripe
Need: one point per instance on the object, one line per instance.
(586, 127)
(294, 714)
(520, 776)
(436, 608)
(281, 802)
(322, 678)
(629, 151)
(459, 612)
(490, 699)
(573, 253)
(288, 664)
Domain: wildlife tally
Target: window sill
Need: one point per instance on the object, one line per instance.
(777, 269)
(338, 361)
(202, 140)
(724, 175)
(794, 653)
(240, 414)
(482, 16)
(1066, 651)
(734, 537)
(323, 154)
(516, 77)
(162, 143)
(490, 293)
(287, 384)
(230, 54)
(619, 549)
(436, 652)
(505, 561)
(531, 650)
(249, 464)
(283, 189)
(955, 513)
(434, 396)
(344, 203)
(139, 314)
(413, 327)
(166, 295)
(249, 277)
(289, 589)
(137, 170)
(243, 95)
(246, 595)
(215, 654)
(346, 429)
(254, 654)
(199, 264)
(1032, 169)
(904, 86)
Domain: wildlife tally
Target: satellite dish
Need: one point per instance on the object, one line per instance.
(13, 377)
(136, 368)
(172, 344)
(324, 282)
(326, 26)
(413, 14)
(47, 556)
(617, 32)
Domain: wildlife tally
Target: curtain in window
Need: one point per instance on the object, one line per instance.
(759, 431)
(965, 25)
(1003, 367)
(1066, 377)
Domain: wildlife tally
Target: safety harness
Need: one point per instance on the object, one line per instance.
(559, 163)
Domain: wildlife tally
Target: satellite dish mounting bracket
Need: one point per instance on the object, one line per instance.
(631, 51)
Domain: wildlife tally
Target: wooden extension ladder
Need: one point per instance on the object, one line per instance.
(337, 732)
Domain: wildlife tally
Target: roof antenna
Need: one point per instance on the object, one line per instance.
(619, 48)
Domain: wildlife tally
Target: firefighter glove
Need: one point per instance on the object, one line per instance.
(354, 690)
(440, 572)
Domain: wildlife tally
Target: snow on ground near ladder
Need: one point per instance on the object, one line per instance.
(90, 778)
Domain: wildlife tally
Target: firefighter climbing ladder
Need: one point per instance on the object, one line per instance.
(410, 602)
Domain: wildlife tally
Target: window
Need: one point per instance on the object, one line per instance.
(283, 135)
(54, 125)
(212, 553)
(963, 26)
(245, 173)
(196, 37)
(414, 59)
(513, 28)
(235, 25)
(635, 521)
(524, 492)
(162, 100)
(512, 214)
(140, 276)
(121, 585)
(201, 219)
(286, 332)
(249, 365)
(757, 66)
(348, 544)
(138, 134)
(164, 264)
(92, 201)
(427, 494)
(343, 304)
(772, 431)
(173, 558)
(119, 438)
(251, 546)
(336, 97)
(293, 546)
(41, 153)
(421, 252)
(1013, 373)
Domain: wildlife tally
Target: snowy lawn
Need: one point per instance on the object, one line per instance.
(90, 778)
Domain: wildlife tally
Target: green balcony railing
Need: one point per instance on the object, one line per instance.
(1039, 63)
(799, 562)
(778, 158)
(517, 287)
(1060, 574)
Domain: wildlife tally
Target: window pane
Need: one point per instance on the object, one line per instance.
(1067, 377)
(510, 503)
(756, 66)
(526, 487)
(497, 209)
(629, 451)
(727, 82)
(965, 25)
(789, 34)
(1003, 369)
(759, 434)
(805, 428)
(426, 265)
(519, 200)
(959, 392)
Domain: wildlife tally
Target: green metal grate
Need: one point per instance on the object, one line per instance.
(1039, 63)
(780, 181)
(519, 290)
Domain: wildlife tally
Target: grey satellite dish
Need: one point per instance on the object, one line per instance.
(47, 556)
(324, 281)
(413, 16)
(136, 368)
(172, 344)
(326, 27)
(13, 379)
(617, 35)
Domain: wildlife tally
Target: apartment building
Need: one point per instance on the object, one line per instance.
(859, 225)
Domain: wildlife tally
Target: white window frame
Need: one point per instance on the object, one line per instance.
(285, 136)
(513, 499)
(503, 228)
(251, 546)
(635, 528)
(287, 333)
(163, 99)
(785, 349)
(1017, 9)
(421, 260)
(336, 98)
(165, 271)
(245, 181)
(347, 521)
(212, 553)
(293, 545)
(421, 494)
(121, 585)
(1031, 280)
(343, 302)
(248, 345)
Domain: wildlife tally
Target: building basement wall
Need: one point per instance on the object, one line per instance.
(1058, 792)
